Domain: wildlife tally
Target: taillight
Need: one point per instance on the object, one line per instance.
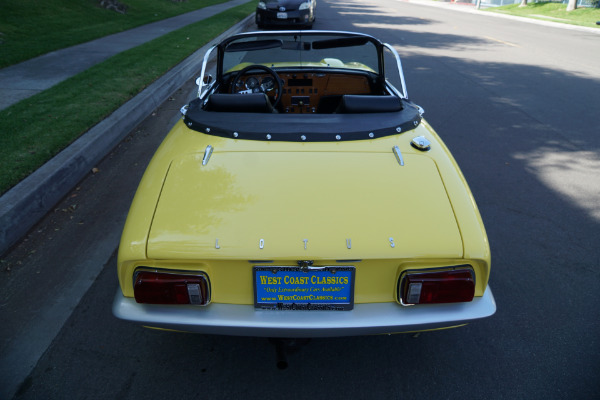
(153, 287)
(448, 286)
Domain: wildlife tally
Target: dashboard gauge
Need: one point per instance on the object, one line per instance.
(268, 83)
(239, 85)
(252, 83)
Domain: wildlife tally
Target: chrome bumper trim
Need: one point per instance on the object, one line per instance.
(245, 320)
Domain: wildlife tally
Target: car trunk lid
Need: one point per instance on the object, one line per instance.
(304, 206)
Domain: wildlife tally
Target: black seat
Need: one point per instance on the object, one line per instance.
(352, 104)
(247, 103)
(328, 104)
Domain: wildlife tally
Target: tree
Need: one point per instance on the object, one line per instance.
(523, 3)
(572, 5)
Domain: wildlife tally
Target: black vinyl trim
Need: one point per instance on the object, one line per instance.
(307, 127)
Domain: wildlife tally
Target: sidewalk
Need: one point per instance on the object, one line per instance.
(27, 202)
(471, 8)
(28, 78)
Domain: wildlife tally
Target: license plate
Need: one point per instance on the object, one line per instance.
(295, 288)
(282, 15)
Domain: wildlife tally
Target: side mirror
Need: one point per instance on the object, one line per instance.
(207, 80)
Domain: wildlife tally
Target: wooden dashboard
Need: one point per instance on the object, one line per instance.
(313, 92)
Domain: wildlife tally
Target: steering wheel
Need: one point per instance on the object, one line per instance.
(268, 70)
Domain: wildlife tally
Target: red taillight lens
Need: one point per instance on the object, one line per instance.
(153, 287)
(451, 286)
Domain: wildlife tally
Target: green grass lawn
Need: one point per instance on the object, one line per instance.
(553, 12)
(29, 28)
(36, 129)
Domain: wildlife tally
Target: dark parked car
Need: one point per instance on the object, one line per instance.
(285, 13)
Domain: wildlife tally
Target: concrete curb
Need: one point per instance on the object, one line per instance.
(29, 201)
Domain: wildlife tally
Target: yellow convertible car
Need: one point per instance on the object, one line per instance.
(303, 195)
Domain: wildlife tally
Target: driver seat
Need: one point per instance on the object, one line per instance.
(245, 103)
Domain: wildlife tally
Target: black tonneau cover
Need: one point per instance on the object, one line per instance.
(302, 127)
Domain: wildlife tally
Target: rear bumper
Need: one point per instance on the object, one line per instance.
(244, 320)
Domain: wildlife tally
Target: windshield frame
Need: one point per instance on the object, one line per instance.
(205, 87)
(336, 39)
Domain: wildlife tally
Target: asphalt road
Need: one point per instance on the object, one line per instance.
(517, 104)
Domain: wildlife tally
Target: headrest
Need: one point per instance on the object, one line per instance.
(249, 103)
(352, 104)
